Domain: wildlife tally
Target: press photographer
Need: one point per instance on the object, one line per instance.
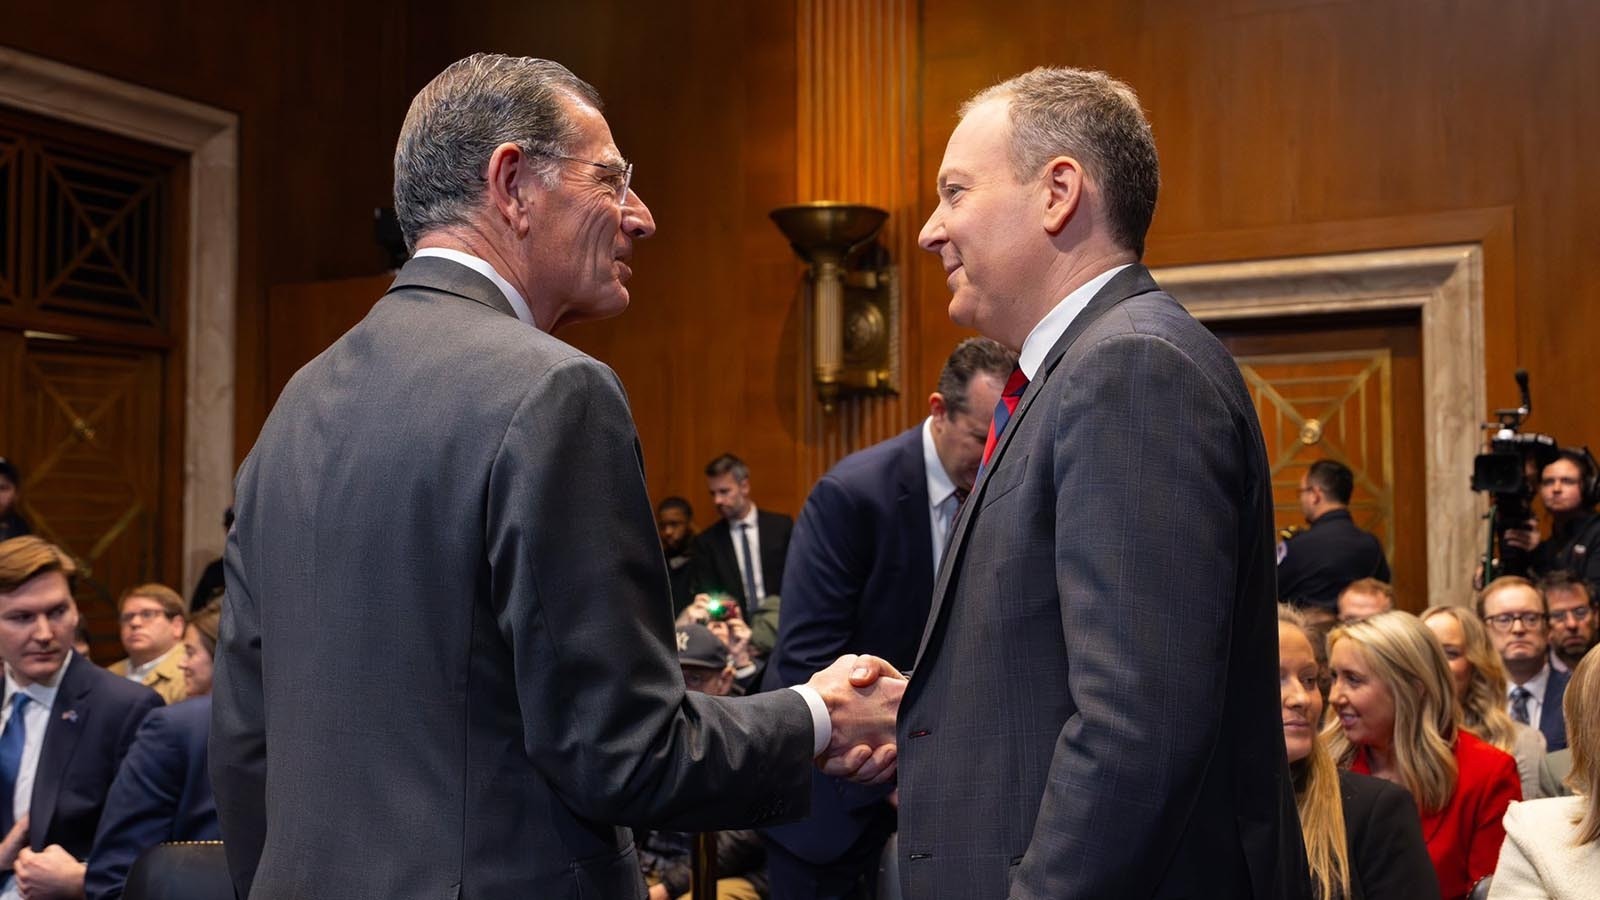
(1568, 490)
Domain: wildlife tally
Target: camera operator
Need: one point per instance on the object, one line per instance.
(1567, 489)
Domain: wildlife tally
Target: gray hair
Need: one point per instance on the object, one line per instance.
(1094, 118)
(457, 120)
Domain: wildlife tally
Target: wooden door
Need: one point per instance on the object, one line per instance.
(1350, 391)
(87, 421)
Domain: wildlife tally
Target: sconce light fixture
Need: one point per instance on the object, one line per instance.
(856, 334)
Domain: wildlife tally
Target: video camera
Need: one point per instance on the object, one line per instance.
(1509, 473)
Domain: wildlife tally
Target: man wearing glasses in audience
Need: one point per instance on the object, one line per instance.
(1515, 612)
(152, 633)
(1572, 618)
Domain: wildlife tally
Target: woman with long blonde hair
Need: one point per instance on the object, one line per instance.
(1480, 689)
(1362, 834)
(1552, 846)
(1397, 719)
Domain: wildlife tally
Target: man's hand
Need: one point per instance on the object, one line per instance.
(15, 840)
(50, 874)
(1524, 538)
(863, 697)
(736, 634)
(659, 892)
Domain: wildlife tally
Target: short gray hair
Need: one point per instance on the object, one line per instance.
(1094, 118)
(973, 357)
(457, 120)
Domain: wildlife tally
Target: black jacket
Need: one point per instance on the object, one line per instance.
(1315, 565)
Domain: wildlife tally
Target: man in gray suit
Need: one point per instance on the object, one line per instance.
(1094, 709)
(445, 666)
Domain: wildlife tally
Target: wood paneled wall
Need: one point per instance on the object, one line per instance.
(1285, 126)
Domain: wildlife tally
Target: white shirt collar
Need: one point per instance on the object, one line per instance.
(483, 268)
(1535, 685)
(40, 692)
(137, 673)
(1055, 322)
(748, 519)
(940, 487)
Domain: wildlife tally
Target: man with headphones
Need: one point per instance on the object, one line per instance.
(1569, 491)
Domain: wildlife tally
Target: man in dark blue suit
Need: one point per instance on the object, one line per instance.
(858, 580)
(68, 724)
(1515, 611)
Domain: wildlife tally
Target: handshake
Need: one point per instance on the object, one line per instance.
(862, 694)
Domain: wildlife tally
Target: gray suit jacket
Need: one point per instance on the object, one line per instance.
(445, 667)
(1094, 712)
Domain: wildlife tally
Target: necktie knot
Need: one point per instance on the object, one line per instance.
(1519, 704)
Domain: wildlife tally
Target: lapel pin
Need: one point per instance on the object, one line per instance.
(70, 715)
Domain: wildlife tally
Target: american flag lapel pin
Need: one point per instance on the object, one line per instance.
(70, 715)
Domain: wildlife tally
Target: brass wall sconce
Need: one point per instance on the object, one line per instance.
(856, 334)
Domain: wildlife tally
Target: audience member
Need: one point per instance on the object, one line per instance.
(162, 792)
(1480, 689)
(152, 634)
(1316, 564)
(859, 579)
(1552, 847)
(1572, 618)
(675, 524)
(664, 856)
(742, 555)
(1514, 609)
(1397, 720)
(12, 524)
(1363, 598)
(68, 724)
(209, 587)
(1363, 835)
(1568, 491)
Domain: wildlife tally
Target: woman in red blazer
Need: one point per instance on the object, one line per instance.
(1397, 719)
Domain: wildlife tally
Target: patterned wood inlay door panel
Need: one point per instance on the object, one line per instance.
(88, 422)
(1328, 406)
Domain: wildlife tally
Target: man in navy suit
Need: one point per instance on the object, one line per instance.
(741, 556)
(1093, 711)
(1516, 613)
(857, 580)
(68, 724)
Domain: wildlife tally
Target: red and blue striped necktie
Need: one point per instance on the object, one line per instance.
(1009, 398)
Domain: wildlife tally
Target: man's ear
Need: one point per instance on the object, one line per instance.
(936, 406)
(1064, 181)
(512, 187)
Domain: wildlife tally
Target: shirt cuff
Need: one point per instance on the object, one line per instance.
(821, 726)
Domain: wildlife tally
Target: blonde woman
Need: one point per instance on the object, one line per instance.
(1480, 683)
(1397, 720)
(1362, 834)
(1552, 846)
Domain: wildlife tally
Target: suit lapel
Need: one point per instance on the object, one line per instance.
(435, 273)
(1130, 282)
(912, 505)
(66, 723)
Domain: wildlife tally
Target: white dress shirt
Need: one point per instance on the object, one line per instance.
(942, 501)
(482, 267)
(36, 718)
(1055, 322)
(1536, 686)
(753, 535)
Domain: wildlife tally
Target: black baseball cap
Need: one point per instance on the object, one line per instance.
(699, 648)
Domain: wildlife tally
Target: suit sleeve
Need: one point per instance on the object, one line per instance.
(140, 808)
(237, 752)
(581, 595)
(1501, 788)
(821, 586)
(1389, 854)
(1151, 473)
(1516, 877)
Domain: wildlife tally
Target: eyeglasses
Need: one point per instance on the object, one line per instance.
(141, 615)
(1578, 615)
(618, 177)
(1502, 622)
